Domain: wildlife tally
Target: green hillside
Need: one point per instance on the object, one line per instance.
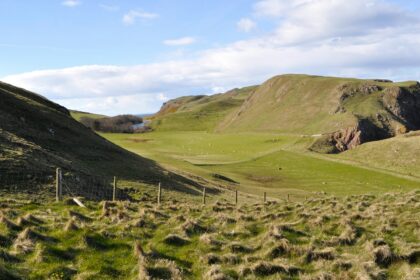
(401, 154)
(199, 113)
(77, 115)
(313, 105)
(37, 136)
(348, 112)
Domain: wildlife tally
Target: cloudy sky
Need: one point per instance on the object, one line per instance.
(129, 56)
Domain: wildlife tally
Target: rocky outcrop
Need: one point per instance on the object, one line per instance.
(400, 114)
(349, 90)
(365, 131)
(347, 139)
(404, 105)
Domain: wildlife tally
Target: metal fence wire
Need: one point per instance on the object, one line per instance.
(73, 184)
(91, 187)
(25, 179)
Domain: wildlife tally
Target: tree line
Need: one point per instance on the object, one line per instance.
(117, 124)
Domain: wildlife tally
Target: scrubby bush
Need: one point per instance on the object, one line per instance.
(118, 124)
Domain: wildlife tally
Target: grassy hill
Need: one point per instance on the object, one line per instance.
(199, 113)
(348, 111)
(269, 142)
(37, 135)
(401, 154)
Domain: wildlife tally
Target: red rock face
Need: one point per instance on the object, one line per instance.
(401, 114)
(347, 139)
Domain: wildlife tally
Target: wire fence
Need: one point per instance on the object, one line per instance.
(92, 187)
(72, 184)
(60, 183)
(31, 181)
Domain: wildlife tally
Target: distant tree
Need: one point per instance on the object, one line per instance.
(117, 124)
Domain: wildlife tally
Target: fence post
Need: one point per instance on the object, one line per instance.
(114, 190)
(58, 185)
(288, 197)
(204, 196)
(265, 197)
(159, 194)
(236, 197)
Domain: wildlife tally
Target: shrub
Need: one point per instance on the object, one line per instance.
(118, 124)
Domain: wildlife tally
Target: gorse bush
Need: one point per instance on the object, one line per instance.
(117, 124)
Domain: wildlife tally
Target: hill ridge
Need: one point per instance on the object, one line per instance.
(38, 135)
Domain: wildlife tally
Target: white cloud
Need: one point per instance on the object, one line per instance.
(218, 89)
(313, 20)
(71, 3)
(162, 97)
(276, 8)
(184, 41)
(111, 106)
(347, 39)
(246, 25)
(131, 17)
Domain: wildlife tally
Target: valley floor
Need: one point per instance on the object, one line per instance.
(278, 164)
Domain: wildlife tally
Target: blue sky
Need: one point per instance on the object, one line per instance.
(129, 56)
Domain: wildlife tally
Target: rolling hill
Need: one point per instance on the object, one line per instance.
(329, 115)
(199, 113)
(348, 112)
(400, 153)
(37, 135)
(345, 112)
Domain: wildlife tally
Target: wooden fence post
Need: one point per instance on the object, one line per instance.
(159, 194)
(204, 196)
(265, 197)
(236, 197)
(114, 190)
(58, 185)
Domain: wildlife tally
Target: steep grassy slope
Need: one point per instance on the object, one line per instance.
(37, 135)
(349, 111)
(325, 237)
(199, 113)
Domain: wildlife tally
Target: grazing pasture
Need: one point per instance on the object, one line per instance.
(278, 164)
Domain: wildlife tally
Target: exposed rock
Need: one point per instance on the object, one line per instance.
(350, 91)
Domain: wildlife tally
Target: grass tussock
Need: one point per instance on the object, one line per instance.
(194, 242)
(175, 240)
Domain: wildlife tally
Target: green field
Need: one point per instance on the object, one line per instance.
(77, 115)
(400, 153)
(274, 163)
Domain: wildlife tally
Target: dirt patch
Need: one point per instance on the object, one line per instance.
(263, 179)
(140, 140)
(224, 178)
